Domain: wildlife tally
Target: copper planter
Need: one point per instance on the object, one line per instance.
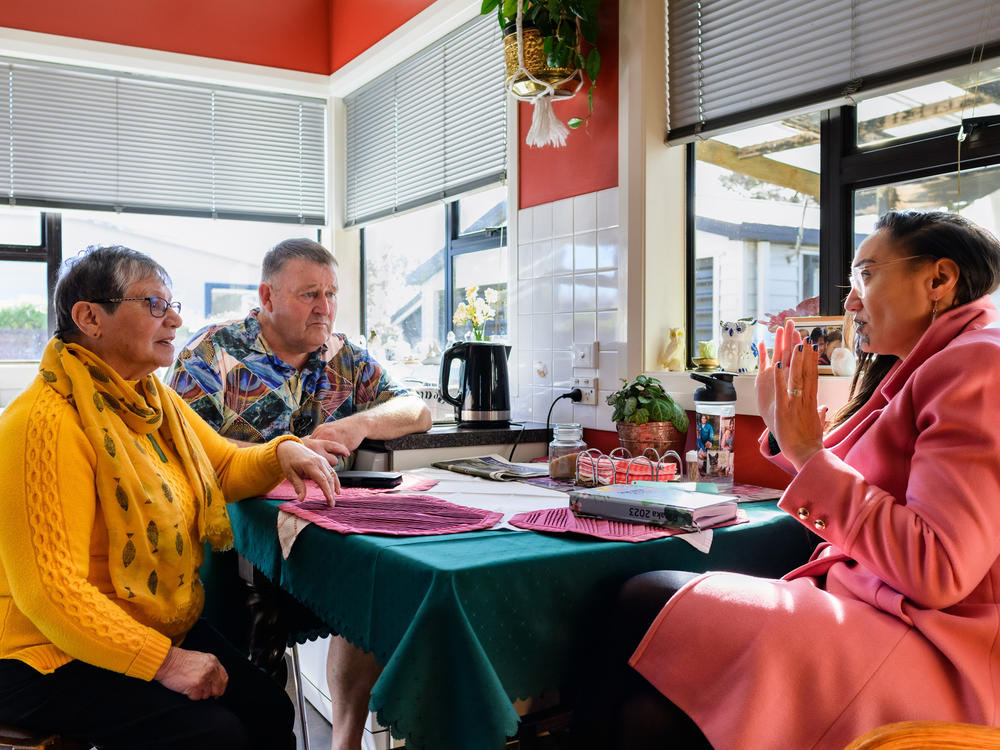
(535, 63)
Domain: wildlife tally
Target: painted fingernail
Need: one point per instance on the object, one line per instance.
(800, 347)
(815, 347)
(778, 365)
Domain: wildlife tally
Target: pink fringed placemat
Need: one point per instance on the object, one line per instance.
(563, 521)
(395, 512)
(394, 515)
(410, 483)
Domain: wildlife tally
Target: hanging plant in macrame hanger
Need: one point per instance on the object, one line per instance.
(544, 44)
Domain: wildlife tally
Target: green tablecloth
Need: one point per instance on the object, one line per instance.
(465, 623)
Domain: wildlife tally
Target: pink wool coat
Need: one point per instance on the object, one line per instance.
(896, 617)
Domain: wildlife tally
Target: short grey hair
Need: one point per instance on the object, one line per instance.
(99, 272)
(286, 250)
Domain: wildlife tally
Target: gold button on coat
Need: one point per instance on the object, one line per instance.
(803, 513)
(819, 523)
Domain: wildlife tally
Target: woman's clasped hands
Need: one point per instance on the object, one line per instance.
(786, 395)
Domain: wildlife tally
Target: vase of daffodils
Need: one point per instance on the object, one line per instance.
(477, 310)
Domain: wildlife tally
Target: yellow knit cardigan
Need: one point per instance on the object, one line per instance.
(57, 601)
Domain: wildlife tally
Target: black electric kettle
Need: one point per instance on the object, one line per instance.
(483, 399)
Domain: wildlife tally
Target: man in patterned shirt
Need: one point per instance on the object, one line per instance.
(282, 370)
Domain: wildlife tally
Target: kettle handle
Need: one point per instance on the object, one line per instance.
(450, 354)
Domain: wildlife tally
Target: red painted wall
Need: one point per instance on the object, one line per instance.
(291, 34)
(589, 160)
(751, 467)
(355, 26)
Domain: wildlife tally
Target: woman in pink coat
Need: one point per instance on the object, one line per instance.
(897, 615)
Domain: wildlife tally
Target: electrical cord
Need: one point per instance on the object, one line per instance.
(575, 395)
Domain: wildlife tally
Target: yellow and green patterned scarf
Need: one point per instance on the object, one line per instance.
(152, 566)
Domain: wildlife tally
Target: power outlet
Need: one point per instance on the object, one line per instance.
(588, 387)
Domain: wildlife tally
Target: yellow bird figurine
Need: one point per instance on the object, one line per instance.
(672, 356)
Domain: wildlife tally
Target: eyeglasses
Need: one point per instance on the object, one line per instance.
(859, 278)
(157, 305)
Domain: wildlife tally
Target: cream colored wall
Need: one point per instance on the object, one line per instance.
(652, 179)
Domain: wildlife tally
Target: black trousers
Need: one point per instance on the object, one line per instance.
(116, 712)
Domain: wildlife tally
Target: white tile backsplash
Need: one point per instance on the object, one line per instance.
(607, 290)
(525, 219)
(584, 327)
(562, 255)
(542, 258)
(585, 212)
(525, 293)
(541, 295)
(585, 251)
(541, 336)
(542, 222)
(569, 253)
(607, 208)
(585, 293)
(562, 294)
(562, 218)
(608, 245)
(562, 331)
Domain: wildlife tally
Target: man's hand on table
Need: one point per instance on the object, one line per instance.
(348, 432)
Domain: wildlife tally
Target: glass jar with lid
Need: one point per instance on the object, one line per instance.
(567, 440)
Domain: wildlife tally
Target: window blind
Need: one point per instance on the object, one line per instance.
(78, 138)
(731, 62)
(433, 127)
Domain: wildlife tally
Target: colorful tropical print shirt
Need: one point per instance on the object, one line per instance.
(232, 379)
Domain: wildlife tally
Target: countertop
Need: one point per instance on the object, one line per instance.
(450, 435)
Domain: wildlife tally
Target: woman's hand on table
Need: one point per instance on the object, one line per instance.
(192, 673)
(299, 463)
(786, 394)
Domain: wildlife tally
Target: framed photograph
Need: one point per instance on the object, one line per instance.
(827, 332)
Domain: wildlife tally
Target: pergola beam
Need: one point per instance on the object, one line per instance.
(768, 170)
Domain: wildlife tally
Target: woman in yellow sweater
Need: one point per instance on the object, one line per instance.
(109, 487)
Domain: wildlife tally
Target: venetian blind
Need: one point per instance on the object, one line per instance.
(432, 127)
(730, 62)
(78, 138)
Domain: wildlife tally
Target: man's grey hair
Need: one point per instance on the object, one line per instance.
(100, 272)
(300, 247)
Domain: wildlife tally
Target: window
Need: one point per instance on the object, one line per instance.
(214, 265)
(418, 267)
(29, 259)
(756, 213)
(756, 222)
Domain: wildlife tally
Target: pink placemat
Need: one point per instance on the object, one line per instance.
(563, 521)
(393, 515)
(411, 483)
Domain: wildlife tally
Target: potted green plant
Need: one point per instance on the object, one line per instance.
(646, 416)
(560, 39)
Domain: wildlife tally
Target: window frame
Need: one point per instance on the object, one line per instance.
(845, 167)
(48, 251)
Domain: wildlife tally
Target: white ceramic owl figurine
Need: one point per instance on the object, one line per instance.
(672, 356)
(737, 351)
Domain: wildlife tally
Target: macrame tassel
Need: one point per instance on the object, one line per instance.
(545, 127)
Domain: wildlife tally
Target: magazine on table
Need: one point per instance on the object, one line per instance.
(659, 505)
(492, 467)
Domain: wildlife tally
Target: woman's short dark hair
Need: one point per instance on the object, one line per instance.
(938, 234)
(99, 272)
(299, 247)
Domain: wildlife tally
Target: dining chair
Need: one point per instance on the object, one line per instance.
(15, 738)
(928, 735)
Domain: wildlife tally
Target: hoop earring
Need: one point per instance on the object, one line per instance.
(934, 310)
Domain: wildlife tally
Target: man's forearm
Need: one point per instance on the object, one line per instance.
(399, 416)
